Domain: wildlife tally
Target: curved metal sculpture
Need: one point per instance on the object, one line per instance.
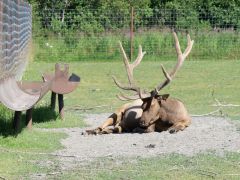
(20, 96)
(62, 83)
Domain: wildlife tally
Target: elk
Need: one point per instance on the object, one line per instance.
(148, 111)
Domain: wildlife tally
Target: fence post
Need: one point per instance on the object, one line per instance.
(17, 121)
(18, 25)
(131, 34)
(53, 100)
(1, 28)
(6, 55)
(29, 118)
(61, 105)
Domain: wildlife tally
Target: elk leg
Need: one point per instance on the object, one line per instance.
(150, 128)
(180, 126)
(106, 131)
(112, 120)
(108, 122)
(147, 130)
(117, 129)
(115, 118)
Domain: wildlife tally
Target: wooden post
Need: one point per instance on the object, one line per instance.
(61, 105)
(29, 118)
(131, 34)
(1, 32)
(53, 100)
(1, 24)
(17, 121)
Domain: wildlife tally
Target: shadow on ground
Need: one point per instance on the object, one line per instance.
(44, 114)
(40, 115)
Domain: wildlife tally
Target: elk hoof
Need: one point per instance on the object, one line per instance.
(173, 130)
(107, 131)
(94, 131)
(84, 133)
(90, 132)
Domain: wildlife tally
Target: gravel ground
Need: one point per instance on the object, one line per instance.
(204, 134)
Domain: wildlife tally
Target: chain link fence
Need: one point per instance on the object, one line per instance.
(15, 35)
(93, 35)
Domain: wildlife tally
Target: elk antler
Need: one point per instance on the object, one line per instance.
(129, 69)
(180, 59)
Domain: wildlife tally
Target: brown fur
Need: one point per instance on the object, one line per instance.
(154, 112)
(165, 113)
(147, 115)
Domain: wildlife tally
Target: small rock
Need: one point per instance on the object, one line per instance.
(150, 146)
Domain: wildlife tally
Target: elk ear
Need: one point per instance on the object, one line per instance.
(146, 99)
(165, 96)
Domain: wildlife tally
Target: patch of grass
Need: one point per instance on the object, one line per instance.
(52, 119)
(6, 124)
(43, 117)
(203, 166)
(33, 141)
(20, 155)
(25, 166)
(197, 84)
(158, 45)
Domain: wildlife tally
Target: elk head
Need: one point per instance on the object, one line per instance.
(152, 100)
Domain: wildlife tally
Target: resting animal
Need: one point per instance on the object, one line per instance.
(148, 112)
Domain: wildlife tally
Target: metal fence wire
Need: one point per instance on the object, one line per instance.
(93, 34)
(15, 35)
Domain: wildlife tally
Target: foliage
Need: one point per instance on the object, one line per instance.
(86, 30)
(174, 166)
(97, 92)
(97, 15)
(158, 45)
(27, 156)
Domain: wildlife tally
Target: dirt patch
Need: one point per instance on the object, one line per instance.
(204, 134)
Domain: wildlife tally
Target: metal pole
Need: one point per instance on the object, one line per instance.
(53, 100)
(29, 118)
(1, 27)
(131, 34)
(61, 105)
(17, 121)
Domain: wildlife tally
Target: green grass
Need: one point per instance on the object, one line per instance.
(194, 85)
(158, 45)
(197, 84)
(202, 166)
(20, 155)
(33, 141)
(24, 166)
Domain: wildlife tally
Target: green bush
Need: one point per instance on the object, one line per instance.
(158, 45)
